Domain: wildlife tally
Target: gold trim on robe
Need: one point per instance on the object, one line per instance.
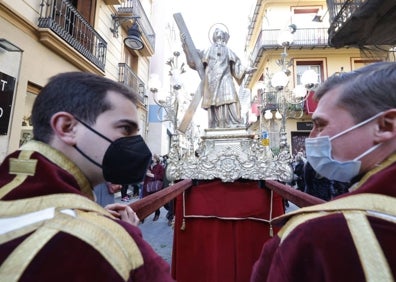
(62, 161)
(91, 224)
(355, 209)
(74, 214)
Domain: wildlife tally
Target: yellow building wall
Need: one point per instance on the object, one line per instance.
(37, 63)
(278, 15)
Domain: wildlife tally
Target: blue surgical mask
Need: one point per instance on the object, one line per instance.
(318, 152)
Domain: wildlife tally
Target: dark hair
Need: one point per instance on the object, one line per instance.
(78, 93)
(365, 91)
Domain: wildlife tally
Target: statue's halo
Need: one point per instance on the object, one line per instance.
(213, 28)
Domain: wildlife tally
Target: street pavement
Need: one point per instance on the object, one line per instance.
(157, 233)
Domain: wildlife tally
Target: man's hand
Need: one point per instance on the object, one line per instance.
(124, 213)
(183, 37)
(113, 188)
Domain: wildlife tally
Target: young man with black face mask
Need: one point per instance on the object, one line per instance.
(352, 237)
(85, 131)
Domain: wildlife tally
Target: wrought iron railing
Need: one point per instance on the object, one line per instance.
(62, 18)
(270, 100)
(302, 38)
(135, 8)
(340, 11)
(130, 79)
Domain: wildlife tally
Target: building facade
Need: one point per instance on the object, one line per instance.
(293, 38)
(41, 38)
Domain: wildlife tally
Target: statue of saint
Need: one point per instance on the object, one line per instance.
(217, 87)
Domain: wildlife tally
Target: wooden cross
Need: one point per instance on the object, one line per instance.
(189, 45)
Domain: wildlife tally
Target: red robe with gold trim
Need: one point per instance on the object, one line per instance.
(89, 246)
(324, 243)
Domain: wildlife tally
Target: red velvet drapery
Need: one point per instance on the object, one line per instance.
(225, 226)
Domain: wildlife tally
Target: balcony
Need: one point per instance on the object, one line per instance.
(135, 8)
(130, 79)
(303, 38)
(362, 22)
(62, 18)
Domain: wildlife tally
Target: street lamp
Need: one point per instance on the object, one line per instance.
(133, 40)
(288, 103)
(279, 80)
(309, 79)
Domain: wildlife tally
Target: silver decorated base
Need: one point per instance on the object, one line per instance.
(229, 155)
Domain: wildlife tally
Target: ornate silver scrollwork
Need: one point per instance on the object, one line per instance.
(229, 155)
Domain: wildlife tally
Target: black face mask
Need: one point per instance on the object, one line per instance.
(126, 159)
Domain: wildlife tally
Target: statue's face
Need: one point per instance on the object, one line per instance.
(218, 36)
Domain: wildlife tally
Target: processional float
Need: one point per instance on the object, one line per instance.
(223, 153)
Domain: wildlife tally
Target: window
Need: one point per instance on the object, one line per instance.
(65, 14)
(358, 63)
(302, 16)
(302, 66)
(86, 8)
(131, 59)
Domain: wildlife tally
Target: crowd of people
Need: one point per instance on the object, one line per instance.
(307, 180)
(154, 181)
(46, 188)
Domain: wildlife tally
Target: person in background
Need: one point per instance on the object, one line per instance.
(322, 187)
(104, 193)
(170, 205)
(155, 172)
(352, 237)
(136, 190)
(85, 130)
(298, 169)
(125, 197)
(124, 193)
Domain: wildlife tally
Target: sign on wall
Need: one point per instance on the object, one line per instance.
(7, 87)
(305, 125)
